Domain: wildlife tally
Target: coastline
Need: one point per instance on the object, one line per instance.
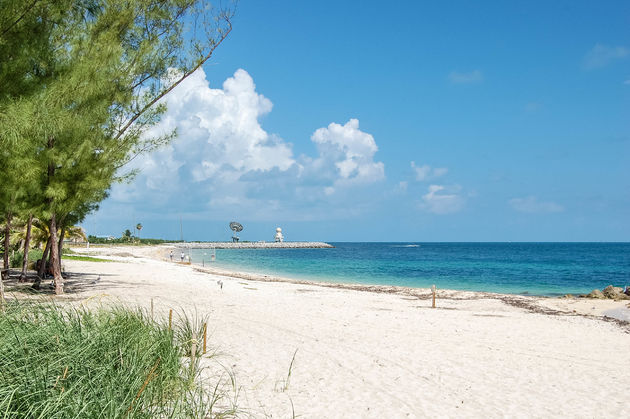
(368, 351)
(607, 310)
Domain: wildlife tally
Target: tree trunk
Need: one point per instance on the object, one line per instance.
(54, 256)
(7, 244)
(42, 267)
(27, 243)
(63, 233)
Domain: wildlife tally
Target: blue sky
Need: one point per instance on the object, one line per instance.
(398, 121)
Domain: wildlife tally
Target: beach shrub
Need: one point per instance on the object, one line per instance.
(16, 259)
(60, 362)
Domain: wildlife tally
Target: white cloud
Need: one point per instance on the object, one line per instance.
(426, 172)
(350, 150)
(531, 204)
(442, 199)
(465, 78)
(602, 55)
(223, 157)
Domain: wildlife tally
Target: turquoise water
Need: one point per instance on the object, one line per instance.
(516, 268)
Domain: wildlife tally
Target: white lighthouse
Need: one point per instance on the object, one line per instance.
(279, 237)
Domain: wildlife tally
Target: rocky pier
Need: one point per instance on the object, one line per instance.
(255, 245)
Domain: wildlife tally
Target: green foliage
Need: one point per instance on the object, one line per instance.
(35, 254)
(67, 363)
(16, 259)
(126, 240)
(81, 84)
(85, 258)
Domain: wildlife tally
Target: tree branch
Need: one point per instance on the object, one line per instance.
(175, 84)
(28, 9)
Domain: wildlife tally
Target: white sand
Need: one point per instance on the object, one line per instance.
(365, 354)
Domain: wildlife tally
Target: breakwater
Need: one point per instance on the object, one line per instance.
(255, 245)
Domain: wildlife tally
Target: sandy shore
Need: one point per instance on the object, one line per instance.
(384, 352)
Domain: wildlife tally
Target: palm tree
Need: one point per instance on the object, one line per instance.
(138, 227)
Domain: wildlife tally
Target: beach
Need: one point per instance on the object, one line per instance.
(328, 350)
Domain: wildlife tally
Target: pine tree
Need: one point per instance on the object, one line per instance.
(91, 92)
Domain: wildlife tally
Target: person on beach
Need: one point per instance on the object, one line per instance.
(171, 255)
(183, 256)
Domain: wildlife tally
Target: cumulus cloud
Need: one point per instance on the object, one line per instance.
(457, 77)
(602, 55)
(531, 204)
(426, 172)
(442, 199)
(223, 157)
(350, 151)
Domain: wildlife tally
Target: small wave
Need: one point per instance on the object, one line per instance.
(406, 245)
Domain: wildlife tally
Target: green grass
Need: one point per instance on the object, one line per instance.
(108, 363)
(84, 258)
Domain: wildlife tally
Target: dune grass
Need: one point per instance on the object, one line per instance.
(63, 362)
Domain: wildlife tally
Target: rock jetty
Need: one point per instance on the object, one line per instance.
(255, 245)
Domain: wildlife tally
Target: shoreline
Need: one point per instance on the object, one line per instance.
(376, 351)
(413, 269)
(614, 311)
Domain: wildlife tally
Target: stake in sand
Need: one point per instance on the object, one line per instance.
(433, 291)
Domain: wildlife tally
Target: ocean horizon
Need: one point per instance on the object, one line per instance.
(526, 268)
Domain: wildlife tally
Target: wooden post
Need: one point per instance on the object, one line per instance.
(433, 291)
(170, 319)
(205, 335)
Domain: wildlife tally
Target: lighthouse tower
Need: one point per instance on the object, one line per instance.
(279, 237)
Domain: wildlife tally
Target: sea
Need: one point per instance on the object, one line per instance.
(549, 269)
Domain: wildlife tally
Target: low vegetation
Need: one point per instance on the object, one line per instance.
(61, 362)
(85, 258)
(127, 239)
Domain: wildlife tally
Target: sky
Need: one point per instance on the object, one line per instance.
(396, 121)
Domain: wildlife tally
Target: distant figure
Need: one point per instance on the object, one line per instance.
(183, 256)
(220, 283)
(279, 236)
(171, 255)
